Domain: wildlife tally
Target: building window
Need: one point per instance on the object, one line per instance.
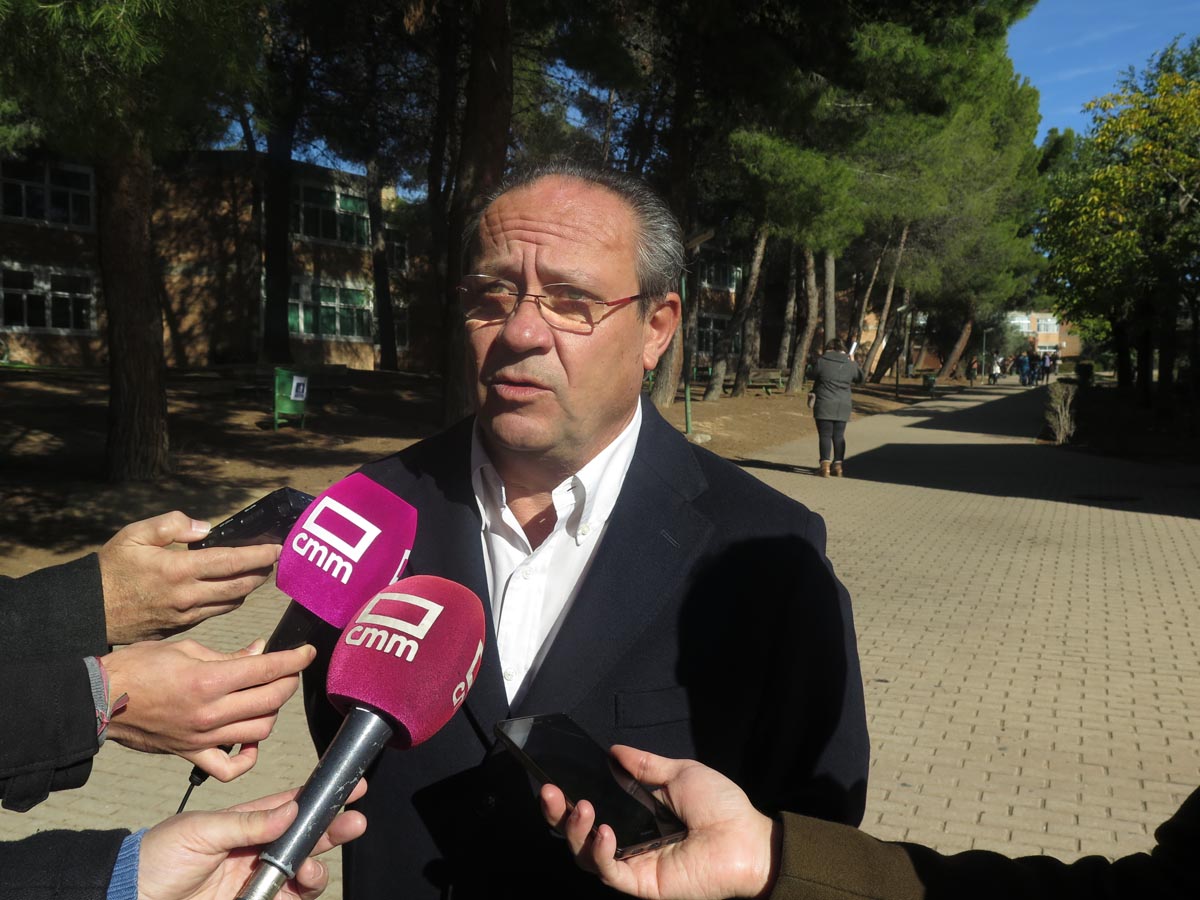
(47, 193)
(330, 310)
(720, 276)
(330, 214)
(1021, 322)
(38, 299)
(1047, 324)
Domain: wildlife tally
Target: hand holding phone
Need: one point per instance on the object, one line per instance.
(555, 750)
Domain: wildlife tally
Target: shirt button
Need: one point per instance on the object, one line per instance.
(585, 528)
(525, 573)
(508, 675)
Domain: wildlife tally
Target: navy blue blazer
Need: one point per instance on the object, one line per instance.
(710, 626)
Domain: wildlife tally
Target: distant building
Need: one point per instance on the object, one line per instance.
(208, 228)
(1046, 333)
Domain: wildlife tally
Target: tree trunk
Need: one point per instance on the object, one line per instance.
(1123, 345)
(277, 240)
(789, 312)
(138, 448)
(667, 373)
(751, 345)
(384, 314)
(486, 119)
(804, 345)
(679, 189)
(881, 336)
(608, 121)
(437, 190)
(830, 298)
(866, 298)
(724, 348)
(1168, 319)
(1145, 354)
(691, 321)
(959, 346)
(1194, 349)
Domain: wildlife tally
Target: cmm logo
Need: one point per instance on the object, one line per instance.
(334, 537)
(394, 632)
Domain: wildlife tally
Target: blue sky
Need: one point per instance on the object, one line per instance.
(1075, 50)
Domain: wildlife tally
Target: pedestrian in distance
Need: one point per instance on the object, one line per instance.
(994, 378)
(834, 374)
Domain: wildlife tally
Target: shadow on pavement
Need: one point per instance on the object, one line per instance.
(1037, 471)
(1003, 411)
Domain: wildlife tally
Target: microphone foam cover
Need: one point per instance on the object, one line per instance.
(353, 540)
(411, 652)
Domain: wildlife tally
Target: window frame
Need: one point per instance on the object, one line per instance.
(43, 285)
(308, 296)
(47, 188)
(298, 205)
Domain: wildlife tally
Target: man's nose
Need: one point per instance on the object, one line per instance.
(525, 326)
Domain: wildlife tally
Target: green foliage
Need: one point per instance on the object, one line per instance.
(96, 74)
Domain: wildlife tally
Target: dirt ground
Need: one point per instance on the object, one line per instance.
(56, 503)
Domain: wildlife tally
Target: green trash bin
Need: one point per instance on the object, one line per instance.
(929, 382)
(291, 395)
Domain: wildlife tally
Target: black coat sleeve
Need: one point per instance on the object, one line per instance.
(48, 726)
(59, 865)
(49, 620)
(54, 611)
(824, 861)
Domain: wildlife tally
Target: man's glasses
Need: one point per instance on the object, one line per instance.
(488, 300)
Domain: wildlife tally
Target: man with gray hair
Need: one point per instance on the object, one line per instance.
(651, 590)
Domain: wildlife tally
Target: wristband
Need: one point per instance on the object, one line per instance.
(98, 679)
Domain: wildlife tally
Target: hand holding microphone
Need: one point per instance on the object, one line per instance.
(351, 541)
(401, 668)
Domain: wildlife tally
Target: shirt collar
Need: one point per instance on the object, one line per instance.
(594, 487)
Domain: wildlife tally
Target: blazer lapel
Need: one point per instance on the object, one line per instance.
(448, 544)
(653, 536)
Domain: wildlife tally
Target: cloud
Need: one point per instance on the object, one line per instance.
(1078, 72)
(1094, 36)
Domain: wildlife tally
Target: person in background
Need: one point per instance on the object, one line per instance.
(733, 850)
(834, 374)
(994, 378)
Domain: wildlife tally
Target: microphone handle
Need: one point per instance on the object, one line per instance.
(363, 735)
(294, 629)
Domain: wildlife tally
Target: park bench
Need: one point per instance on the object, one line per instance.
(766, 379)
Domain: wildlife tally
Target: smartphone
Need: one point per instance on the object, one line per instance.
(265, 521)
(555, 750)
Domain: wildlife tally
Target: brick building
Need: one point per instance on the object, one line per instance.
(207, 227)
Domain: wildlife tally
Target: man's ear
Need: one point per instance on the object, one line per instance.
(658, 328)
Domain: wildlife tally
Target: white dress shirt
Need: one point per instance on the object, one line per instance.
(532, 589)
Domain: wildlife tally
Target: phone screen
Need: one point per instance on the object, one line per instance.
(555, 750)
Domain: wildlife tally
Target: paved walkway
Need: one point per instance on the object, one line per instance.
(1027, 622)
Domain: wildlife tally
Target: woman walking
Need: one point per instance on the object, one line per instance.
(834, 374)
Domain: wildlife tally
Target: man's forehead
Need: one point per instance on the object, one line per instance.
(556, 209)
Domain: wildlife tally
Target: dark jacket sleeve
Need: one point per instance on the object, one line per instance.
(826, 861)
(59, 865)
(55, 611)
(48, 729)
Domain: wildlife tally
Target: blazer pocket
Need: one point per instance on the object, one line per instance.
(643, 709)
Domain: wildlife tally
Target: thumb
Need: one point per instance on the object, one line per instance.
(169, 528)
(230, 830)
(647, 768)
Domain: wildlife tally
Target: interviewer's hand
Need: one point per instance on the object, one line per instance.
(153, 591)
(188, 700)
(731, 849)
(209, 855)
